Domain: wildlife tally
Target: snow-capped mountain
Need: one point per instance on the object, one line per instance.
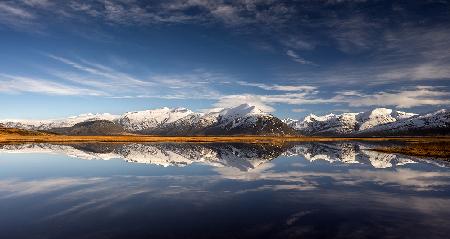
(148, 120)
(55, 123)
(376, 122)
(329, 124)
(436, 123)
(243, 119)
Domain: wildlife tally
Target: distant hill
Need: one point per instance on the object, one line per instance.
(20, 132)
(95, 127)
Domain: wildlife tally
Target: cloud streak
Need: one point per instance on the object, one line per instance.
(407, 98)
(17, 84)
(295, 57)
(101, 70)
(276, 87)
(419, 96)
(195, 84)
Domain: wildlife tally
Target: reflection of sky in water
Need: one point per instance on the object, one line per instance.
(51, 195)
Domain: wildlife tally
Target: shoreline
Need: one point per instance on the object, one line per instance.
(418, 146)
(205, 139)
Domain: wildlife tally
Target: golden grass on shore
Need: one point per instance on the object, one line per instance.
(437, 149)
(20, 137)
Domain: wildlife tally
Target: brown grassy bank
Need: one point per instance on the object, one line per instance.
(434, 149)
(27, 137)
(437, 147)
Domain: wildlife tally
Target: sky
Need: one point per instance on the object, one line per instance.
(290, 58)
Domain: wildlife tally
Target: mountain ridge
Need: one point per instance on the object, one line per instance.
(244, 119)
(239, 120)
(377, 122)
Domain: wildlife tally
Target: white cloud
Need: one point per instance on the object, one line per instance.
(265, 102)
(350, 93)
(426, 71)
(101, 70)
(239, 13)
(295, 57)
(37, 3)
(306, 88)
(196, 84)
(15, 84)
(235, 100)
(418, 96)
(226, 13)
(15, 11)
(295, 99)
(17, 17)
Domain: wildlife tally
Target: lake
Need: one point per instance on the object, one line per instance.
(168, 190)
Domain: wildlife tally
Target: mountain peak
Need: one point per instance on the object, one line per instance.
(381, 111)
(148, 119)
(313, 117)
(241, 110)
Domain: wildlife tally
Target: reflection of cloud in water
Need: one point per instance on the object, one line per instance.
(391, 197)
(268, 176)
(16, 188)
(302, 179)
(115, 197)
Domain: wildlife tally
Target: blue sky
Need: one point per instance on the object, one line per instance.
(291, 58)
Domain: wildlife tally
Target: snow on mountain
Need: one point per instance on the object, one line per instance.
(245, 118)
(437, 121)
(248, 119)
(381, 116)
(327, 124)
(240, 115)
(241, 111)
(56, 123)
(242, 119)
(151, 119)
(290, 121)
(364, 122)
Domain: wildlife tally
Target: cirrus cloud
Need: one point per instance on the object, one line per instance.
(16, 84)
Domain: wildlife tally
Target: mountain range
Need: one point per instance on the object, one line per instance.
(244, 119)
(377, 122)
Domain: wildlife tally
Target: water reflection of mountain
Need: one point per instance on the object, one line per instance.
(241, 156)
(348, 153)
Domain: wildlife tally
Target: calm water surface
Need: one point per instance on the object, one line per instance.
(310, 190)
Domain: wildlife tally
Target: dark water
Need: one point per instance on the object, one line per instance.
(336, 190)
